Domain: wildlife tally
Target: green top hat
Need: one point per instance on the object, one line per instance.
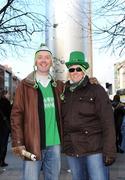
(77, 58)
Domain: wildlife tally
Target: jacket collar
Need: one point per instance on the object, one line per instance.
(31, 80)
(83, 83)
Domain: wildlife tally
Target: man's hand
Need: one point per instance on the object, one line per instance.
(108, 160)
(93, 80)
(18, 151)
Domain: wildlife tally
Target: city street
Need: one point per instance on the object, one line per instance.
(13, 171)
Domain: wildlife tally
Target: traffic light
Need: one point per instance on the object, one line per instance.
(109, 87)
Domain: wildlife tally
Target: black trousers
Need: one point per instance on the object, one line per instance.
(4, 136)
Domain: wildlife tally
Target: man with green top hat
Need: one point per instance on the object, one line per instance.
(36, 120)
(88, 123)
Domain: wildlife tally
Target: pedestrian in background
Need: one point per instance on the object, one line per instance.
(5, 110)
(122, 146)
(36, 119)
(119, 113)
(88, 123)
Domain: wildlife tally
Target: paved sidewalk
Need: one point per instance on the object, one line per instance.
(14, 169)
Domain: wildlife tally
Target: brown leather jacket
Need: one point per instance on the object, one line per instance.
(25, 117)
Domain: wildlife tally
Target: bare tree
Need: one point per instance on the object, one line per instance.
(110, 18)
(19, 20)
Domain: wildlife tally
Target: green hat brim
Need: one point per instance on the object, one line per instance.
(83, 64)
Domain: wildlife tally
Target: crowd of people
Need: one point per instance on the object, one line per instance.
(49, 117)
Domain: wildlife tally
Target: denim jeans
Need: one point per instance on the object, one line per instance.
(50, 164)
(123, 134)
(89, 167)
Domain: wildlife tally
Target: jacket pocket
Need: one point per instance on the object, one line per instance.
(87, 141)
(86, 106)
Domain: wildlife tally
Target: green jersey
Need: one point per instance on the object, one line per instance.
(52, 134)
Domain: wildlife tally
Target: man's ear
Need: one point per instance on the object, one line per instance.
(93, 80)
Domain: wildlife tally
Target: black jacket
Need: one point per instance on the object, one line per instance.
(88, 121)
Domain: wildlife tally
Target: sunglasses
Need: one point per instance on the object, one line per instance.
(78, 69)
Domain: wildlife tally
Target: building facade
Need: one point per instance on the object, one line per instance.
(8, 81)
(119, 83)
(119, 69)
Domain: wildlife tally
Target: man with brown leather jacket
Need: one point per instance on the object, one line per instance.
(36, 122)
(88, 124)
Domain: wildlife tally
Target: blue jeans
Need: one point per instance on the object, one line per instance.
(123, 134)
(50, 164)
(88, 167)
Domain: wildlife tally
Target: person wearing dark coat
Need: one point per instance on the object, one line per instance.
(119, 112)
(5, 110)
(88, 124)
